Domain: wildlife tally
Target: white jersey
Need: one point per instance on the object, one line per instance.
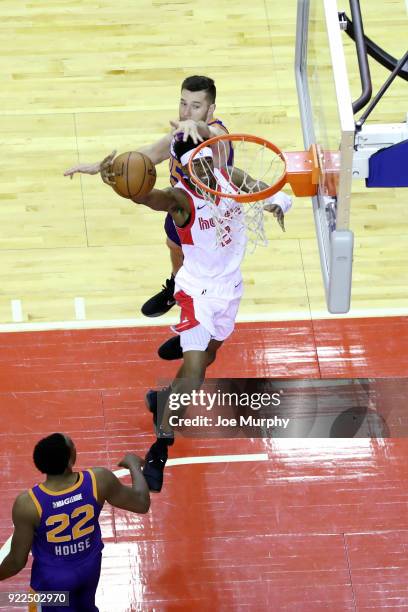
(210, 269)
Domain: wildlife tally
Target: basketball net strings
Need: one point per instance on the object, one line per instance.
(234, 215)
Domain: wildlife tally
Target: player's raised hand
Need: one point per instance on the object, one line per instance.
(131, 460)
(277, 212)
(278, 205)
(188, 128)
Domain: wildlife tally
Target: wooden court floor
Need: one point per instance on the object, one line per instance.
(81, 79)
(317, 526)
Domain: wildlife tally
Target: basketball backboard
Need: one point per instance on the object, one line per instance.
(327, 120)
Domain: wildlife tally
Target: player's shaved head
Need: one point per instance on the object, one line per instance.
(53, 453)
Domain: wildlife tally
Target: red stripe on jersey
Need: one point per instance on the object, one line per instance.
(184, 233)
(229, 180)
(224, 174)
(190, 190)
(187, 315)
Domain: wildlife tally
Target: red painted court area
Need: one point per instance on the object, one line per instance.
(321, 525)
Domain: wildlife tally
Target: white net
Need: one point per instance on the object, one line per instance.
(239, 167)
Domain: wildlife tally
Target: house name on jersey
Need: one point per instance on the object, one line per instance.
(67, 500)
(71, 549)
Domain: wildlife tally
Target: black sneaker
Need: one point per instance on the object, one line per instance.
(153, 468)
(160, 303)
(171, 349)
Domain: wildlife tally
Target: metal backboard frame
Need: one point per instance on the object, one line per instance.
(327, 119)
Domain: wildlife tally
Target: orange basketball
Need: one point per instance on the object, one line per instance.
(135, 174)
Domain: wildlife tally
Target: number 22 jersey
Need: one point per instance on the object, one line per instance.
(69, 530)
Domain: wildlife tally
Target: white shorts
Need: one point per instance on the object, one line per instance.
(203, 319)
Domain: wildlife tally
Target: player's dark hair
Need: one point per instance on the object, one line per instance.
(181, 147)
(51, 454)
(201, 83)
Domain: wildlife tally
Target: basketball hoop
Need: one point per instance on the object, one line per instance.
(259, 170)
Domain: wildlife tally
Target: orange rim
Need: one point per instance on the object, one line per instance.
(241, 197)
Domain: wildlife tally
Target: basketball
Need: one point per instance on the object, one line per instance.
(135, 174)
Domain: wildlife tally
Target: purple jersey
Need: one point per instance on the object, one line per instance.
(69, 531)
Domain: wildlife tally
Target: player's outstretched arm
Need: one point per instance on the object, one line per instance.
(171, 200)
(25, 517)
(159, 150)
(135, 498)
(157, 199)
(94, 168)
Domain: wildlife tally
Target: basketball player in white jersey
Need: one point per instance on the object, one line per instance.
(208, 286)
(196, 120)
